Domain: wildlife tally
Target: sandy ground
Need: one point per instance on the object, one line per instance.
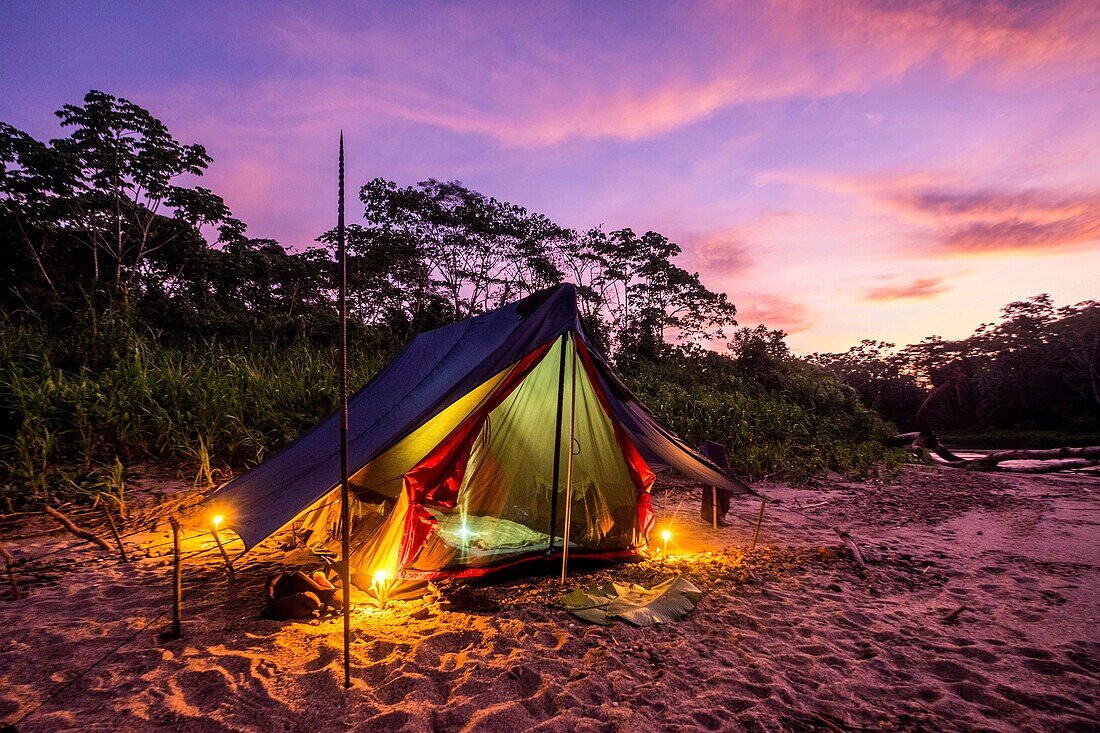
(792, 636)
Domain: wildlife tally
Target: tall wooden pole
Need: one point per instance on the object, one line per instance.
(345, 506)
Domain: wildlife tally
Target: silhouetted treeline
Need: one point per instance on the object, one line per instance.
(109, 213)
(1036, 369)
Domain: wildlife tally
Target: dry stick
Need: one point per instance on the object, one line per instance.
(759, 521)
(114, 532)
(950, 618)
(81, 533)
(10, 562)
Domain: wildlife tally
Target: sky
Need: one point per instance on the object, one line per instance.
(843, 170)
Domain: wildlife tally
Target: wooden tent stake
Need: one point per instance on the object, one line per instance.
(177, 581)
(10, 562)
(569, 469)
(114, 533)
(759, 521)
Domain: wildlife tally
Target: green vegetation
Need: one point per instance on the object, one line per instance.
(130, 336)
(792, 421)
(69, 429)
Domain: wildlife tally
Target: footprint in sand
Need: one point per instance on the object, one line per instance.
(949, 671)
(446, 642)
(526, 681)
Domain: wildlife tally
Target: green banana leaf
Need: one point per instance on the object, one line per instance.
(668, 601)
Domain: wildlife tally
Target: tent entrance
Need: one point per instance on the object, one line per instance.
(485, 495)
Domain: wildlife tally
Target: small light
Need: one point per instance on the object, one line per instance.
(380, 577)
(665, 535)
(218, 520)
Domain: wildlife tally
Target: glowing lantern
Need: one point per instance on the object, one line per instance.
(379, 586)
(666, 536)
(217, 520)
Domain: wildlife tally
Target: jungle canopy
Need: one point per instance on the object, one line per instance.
(452, 451)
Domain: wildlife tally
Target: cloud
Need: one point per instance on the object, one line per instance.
(983, 221)
(922, 287)
(950, 214)
(775, 311)
(716, 255)
(539, 78)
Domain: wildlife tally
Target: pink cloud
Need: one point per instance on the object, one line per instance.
(980, 221)
(775, 311)
(920, 288)
(462, 72)
(717, 255)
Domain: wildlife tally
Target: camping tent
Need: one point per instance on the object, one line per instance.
(460, 454)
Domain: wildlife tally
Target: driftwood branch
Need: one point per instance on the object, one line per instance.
(926, 444)
(1049, 460)
(77, 531)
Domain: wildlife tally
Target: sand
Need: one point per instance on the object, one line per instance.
(791, 636)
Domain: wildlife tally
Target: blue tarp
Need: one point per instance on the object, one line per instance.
(436, 369)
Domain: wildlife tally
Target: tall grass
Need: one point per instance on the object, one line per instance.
(79, 404)
(74, 404)
(801, 423)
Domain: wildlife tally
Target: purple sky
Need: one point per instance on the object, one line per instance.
(844, 170)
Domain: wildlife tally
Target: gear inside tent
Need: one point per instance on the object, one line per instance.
(498, 439)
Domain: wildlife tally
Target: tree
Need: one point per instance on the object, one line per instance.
(107, 193)
(473, 250)
(35, 182)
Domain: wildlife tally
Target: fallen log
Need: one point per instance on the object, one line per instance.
(925, 443)
(1055, 459)
(77, 531)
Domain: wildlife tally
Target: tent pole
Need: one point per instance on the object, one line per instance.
(345, 509)
(557, 448)
(569, 467)
(714, 506)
